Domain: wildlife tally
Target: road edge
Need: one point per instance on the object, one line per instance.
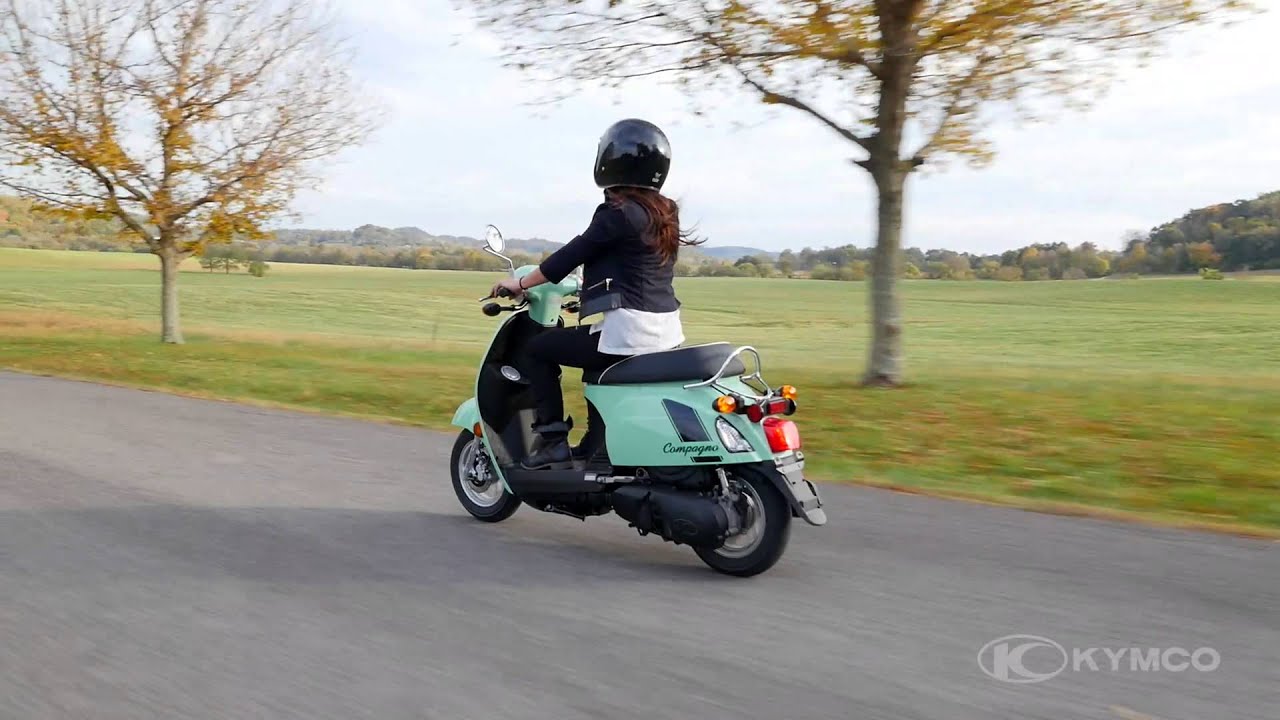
(1057, 508)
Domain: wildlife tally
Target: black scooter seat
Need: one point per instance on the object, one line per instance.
(691, 364)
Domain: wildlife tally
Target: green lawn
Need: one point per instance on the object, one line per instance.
(1159, 398)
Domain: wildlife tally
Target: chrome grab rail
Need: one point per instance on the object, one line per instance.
(719, 374)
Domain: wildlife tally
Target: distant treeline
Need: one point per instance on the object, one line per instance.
(1244, 235)
(455, 257)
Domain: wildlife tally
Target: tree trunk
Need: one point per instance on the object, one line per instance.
(170, 331)
(889, 171)
(884, 368)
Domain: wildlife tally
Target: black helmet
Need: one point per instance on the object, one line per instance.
(633, 153)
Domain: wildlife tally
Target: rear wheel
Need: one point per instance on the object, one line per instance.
(766, 526)
(475, 483)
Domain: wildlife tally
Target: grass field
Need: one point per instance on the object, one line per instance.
(1157, 398)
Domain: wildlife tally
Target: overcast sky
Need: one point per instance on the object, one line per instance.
(461, 149)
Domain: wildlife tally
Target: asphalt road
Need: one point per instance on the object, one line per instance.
(163, 557)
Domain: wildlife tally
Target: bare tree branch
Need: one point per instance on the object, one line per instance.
(775, 98)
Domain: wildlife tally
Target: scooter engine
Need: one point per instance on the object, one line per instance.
(679, 516)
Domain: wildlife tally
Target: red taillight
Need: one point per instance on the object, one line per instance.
(783, 435)
(781, 406)
(777, 406)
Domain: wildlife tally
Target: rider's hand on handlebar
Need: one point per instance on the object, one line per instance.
(510, 287)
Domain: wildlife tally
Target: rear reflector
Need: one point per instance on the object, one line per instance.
(783, 435)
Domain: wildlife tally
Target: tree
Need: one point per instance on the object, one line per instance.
(1202, 255)
(958, 268)
(258, 268)
(876, 72)
(1095, 266)
(1135, 258)
(786, 263)
(1009, 273)
(189, 121)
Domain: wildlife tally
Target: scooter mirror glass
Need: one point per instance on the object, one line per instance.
(493, 238)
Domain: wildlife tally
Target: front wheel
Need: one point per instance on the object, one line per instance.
(766, 526)
(476, 484)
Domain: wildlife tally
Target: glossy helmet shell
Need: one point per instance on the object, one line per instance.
(633, 153)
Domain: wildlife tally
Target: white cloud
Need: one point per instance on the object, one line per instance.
(1195, 127)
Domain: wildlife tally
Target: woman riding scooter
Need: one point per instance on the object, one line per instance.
(628, 256)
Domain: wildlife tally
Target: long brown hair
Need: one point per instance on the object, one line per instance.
(664, 218)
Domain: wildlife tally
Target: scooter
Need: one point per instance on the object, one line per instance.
(684, 444)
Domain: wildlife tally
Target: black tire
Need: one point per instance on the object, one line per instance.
(504, 503)
(774, 538)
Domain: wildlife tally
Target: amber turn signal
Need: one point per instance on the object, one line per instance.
(477, 430)
(789, 392)
(725, 404)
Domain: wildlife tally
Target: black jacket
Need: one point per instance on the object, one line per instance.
(621, 267)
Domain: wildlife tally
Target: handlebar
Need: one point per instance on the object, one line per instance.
(502, 293)
(493, 309)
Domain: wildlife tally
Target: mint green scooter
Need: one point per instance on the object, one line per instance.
(684, 444)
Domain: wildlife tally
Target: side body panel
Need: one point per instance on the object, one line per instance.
(664, 424)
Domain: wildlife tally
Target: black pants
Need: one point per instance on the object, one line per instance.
(562, 347)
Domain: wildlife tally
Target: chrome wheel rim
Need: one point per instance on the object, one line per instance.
(753, 524)
(478, 482)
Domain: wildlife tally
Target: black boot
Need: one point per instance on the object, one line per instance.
(551, 451)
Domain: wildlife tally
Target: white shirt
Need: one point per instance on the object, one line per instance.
(624, 331)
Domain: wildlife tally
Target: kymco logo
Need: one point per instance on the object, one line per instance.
(1033, 659)
(1023, 659)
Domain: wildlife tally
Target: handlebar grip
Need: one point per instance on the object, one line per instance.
(504, 293)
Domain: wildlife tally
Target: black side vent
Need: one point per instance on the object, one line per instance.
(686, 421)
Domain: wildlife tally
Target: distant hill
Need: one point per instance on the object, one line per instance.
(733, 252)
(375, 236)
(1238, 236)
(1241, 235)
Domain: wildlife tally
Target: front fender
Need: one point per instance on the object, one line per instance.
(467, 415)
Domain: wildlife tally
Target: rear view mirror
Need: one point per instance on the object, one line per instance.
(494, 240)
(494, 244)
